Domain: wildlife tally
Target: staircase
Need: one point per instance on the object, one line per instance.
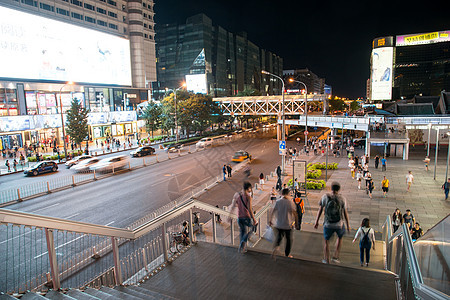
(105, 293)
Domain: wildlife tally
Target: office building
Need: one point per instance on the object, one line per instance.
(313, 82)
(410, 65)
(98, 52)
(212, 60)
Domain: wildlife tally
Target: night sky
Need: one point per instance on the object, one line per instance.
(331, 38)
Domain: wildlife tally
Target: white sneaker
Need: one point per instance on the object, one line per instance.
(324, 261)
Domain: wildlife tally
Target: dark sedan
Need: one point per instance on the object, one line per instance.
(42, 167)
(143, 151)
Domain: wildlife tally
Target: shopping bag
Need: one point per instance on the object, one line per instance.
(269, 234)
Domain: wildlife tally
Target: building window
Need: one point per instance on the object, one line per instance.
(113, 26)
(76, 2)
(145, 35)
(124, 7)
(101, 23)
(150, 27)
(143, 4)
(113, 3)
(46, 7)
(124, 18)
(124, 30)
(30, 2)
(62, 11)
(88, 6)
(145, 15)
(111, 14)
(145, 25)
(77, 16)
(89, 19)
(101, 10)
(149, 6)
(150, 37)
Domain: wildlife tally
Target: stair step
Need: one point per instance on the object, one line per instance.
(79, 295)
(118, 294)
(151, 293)
(54, 295)
(99, 294)
(6, 297)
(129, 291)
(32, 296)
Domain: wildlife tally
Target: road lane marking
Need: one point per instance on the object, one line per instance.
(81, 236)
(53, 205)
(109, 223)
(74, 215)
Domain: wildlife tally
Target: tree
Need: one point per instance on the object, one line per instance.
(77, 122)
(337, 104)
(152, 116)
(354, 105)
(197, 112)
(248, 92)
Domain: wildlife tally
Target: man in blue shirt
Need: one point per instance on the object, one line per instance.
(383, 164)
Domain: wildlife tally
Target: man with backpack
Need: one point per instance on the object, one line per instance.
(335, 209)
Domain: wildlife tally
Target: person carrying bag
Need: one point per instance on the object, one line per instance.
(366, 237)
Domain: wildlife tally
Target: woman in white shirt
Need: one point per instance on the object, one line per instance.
(366, 237)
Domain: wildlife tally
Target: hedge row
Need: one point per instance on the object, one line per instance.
(55, 156)
(322, 166)
(312, 184)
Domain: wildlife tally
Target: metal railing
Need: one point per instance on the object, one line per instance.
(38, 253)
(401, 259)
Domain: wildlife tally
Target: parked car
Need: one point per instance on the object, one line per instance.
(143, 151)
(204, 142)
(240, 156)
(173, 147)
(110, 164)
(76, 160)
(41, 167)
(84, 165)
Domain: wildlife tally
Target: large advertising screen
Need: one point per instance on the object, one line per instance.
(38, 48)
(381, 77)
(423, 38)
(196, 83)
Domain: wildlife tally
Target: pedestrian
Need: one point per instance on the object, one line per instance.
(377, 161)
(15, 165)
(367, 178)
(397, 219)
(8, 166)
(285, 214)
(295, 151)
(409, 180)
(370, 188)
(243, 201)
(366, 240)
(383, 163)
(279, 172)
(359, 177)
(416, 232)
(446, 188)
(261, 179)
(273, 194)
(229, 169)
(224, 171)
(279, 184)
(300, 209)
(295, 185)
(409, 219)
(335, 209)
(385, 186)
(427, 162)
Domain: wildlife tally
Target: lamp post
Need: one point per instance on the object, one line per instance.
(429, 133)
(448, 157)
(62, 118)
(306, 109)
(176, 110)
(436, 155)
(283, 157)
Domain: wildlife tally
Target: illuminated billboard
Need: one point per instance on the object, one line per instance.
(197, 83)
(381, 77)
(38, 48)
(423, 38)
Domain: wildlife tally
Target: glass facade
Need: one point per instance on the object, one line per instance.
(421, 70)
(8, 102)
(230, 61)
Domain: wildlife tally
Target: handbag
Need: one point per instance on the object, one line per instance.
(269, 235)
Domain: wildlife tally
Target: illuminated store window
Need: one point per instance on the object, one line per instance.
(8, 102)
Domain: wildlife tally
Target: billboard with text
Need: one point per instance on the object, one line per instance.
(381, 77)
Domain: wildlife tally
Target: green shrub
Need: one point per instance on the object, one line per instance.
(32, 159)
(322, 166)
(312, 184)
(313, 173)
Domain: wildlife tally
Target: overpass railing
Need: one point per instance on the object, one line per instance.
(39, 252)
(402, 260)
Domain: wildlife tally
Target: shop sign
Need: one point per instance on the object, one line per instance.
(16, 123)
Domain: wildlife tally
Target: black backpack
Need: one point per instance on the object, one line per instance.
(365, 242)
(333, 209)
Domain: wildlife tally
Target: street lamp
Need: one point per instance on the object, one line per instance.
(283, 156)
(306, 109)
(62, 118)
(448, 157)
(176, 110)
(429, 132)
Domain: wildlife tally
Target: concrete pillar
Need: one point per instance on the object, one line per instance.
(367, 147)
(406, 151)
(279, 131)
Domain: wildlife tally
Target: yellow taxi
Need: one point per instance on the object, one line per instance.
(240, 156)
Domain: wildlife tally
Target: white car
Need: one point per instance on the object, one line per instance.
(84, 165)
(76, 160)
(204, 142)
(111, 163)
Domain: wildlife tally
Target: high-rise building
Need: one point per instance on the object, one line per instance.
(314, 83)
(212, 60)
(408, 65)
(98, 52)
